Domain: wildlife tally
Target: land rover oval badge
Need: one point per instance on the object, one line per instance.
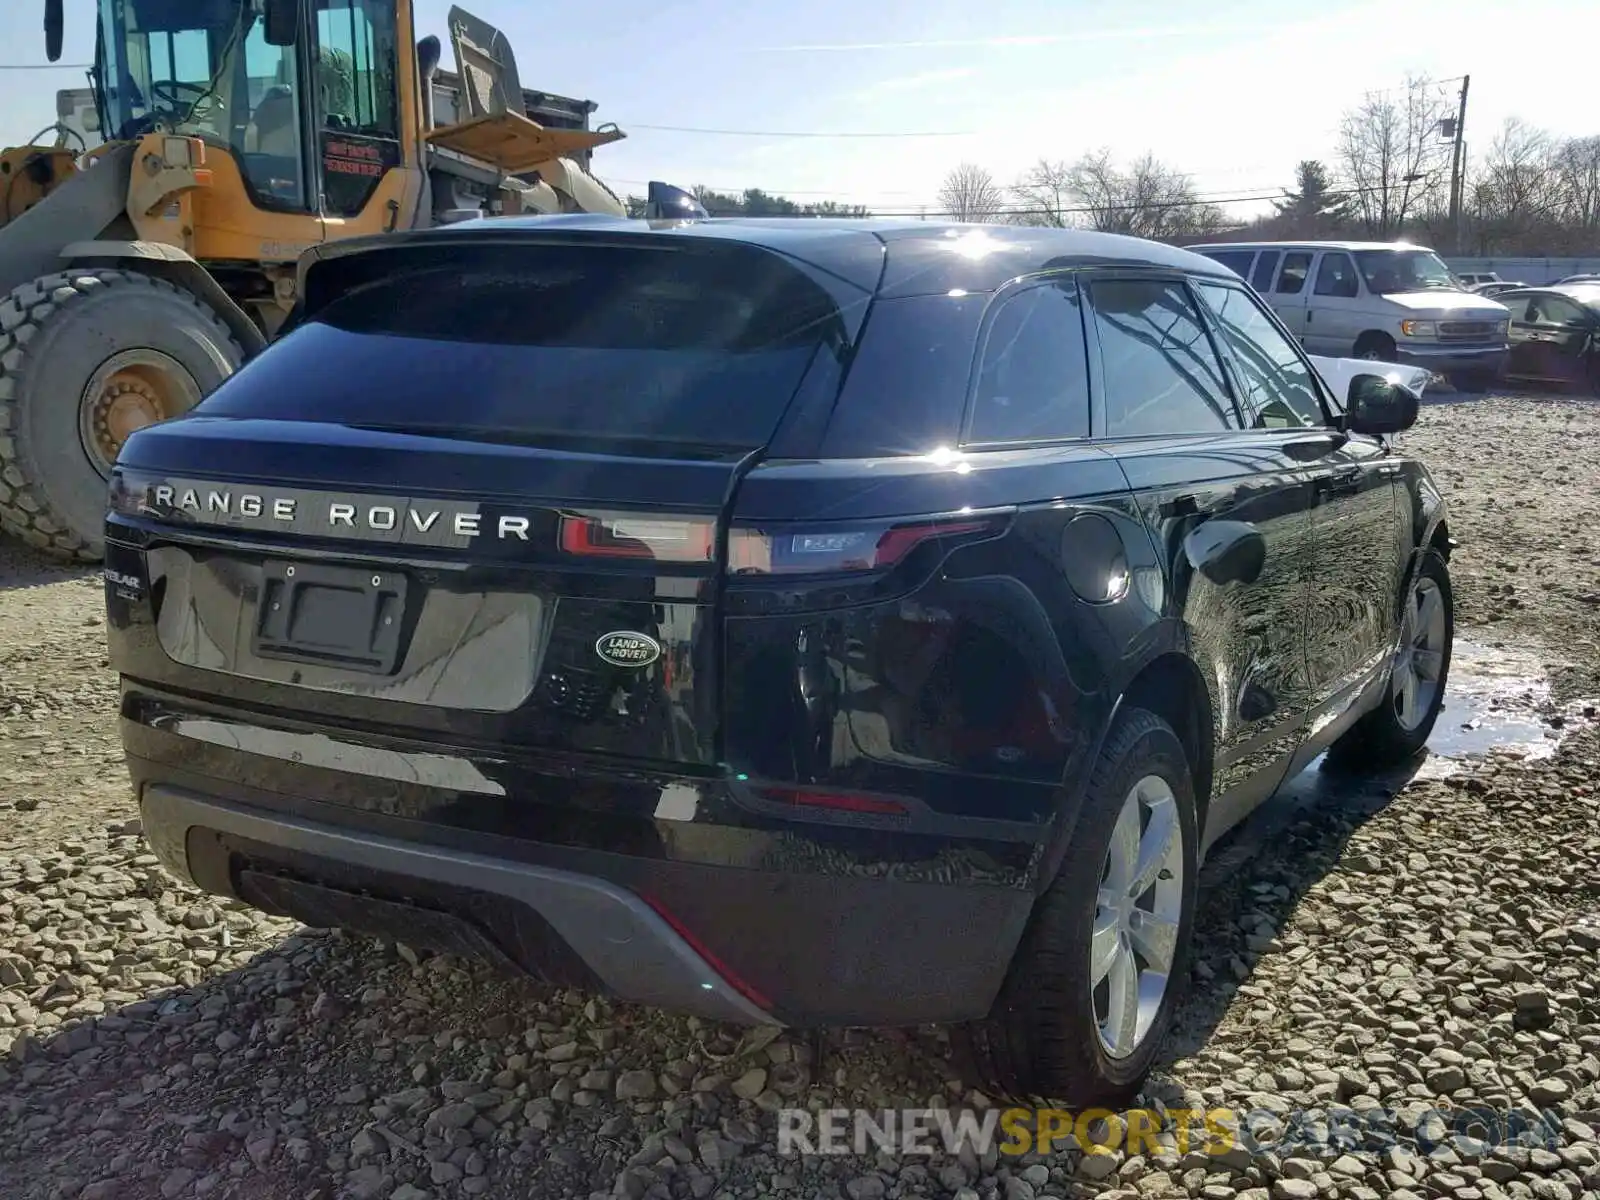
(627, 648)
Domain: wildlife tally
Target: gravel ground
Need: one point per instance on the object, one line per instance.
(1430, 951)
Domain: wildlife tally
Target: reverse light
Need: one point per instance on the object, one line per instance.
(868, 546)
(653, 538)
(1419, 329)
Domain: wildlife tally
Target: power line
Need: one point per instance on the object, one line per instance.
(46, 66)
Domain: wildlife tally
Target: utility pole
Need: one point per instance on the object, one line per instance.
(1458, 172)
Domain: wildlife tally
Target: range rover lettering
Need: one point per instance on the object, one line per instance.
(805, 623)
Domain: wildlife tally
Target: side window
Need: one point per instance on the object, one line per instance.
(1237, 261)
(1033, 379)
(1557, 310)
(1292, 279)
(1161, 370)
(1336, 276)
(1266, 268)
(355, 66)
(271, 153)
(1277, 381)
(1518, 306)
(356, 100)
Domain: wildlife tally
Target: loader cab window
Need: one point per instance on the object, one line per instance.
(271, 138)
(203, 68)
(357, 100)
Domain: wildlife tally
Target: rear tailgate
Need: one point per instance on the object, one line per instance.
(477, 494)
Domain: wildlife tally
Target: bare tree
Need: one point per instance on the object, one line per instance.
(969, 193)
(1517, 189)
(1577, 165)
(1045, 194)
(1146, 199)
(1393, 155)
(1101, 189)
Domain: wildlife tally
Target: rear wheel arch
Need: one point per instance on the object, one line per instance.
(1172, 687)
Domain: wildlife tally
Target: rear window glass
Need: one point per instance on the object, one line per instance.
(704, 347)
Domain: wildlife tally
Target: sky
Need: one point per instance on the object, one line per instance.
(714, 92)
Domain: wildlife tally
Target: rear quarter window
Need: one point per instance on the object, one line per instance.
(705, 346)
(906, 387)
(1033, 375)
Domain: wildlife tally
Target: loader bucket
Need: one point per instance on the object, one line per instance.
(488, 68)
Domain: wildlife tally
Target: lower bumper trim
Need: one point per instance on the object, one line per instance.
(630, 948)
(1448, 358)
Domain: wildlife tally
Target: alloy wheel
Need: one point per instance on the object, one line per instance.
(1419, 662)
(1137, 913)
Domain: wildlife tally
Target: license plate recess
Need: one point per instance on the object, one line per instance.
(338, 616)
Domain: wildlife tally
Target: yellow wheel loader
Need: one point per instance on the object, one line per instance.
(237, 135)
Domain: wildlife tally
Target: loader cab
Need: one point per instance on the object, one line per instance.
(312, 126)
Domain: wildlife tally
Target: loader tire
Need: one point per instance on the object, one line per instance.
(85, 357)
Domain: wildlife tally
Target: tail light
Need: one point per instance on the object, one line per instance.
(655, 538)
(866, 546)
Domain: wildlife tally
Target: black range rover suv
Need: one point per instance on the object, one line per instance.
(796, 622)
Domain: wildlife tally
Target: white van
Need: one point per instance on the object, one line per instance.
(1389, 301)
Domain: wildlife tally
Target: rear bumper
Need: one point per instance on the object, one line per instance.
(630, 948)
(784, 947)
(1445, 359)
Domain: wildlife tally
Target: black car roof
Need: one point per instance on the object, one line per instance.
(893, 257)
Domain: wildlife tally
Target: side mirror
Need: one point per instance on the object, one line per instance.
(1377, 406)
(280, 22)
(667, 203)
(53, 23)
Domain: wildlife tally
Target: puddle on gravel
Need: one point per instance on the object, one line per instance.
(1497, 703)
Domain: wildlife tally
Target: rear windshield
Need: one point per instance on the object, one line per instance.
(552, 342)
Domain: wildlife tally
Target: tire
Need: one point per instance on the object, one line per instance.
(1377, 347)
(1384, 738)
(96, 328)
(1043, 1037)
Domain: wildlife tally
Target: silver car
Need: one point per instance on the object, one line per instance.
(1387, 301)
